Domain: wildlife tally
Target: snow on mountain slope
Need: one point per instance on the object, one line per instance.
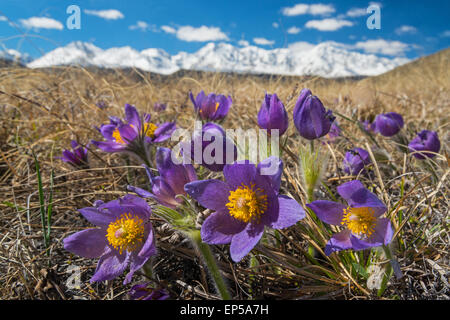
(14, 55)
(327, 59)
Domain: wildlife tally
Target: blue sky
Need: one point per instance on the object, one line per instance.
(408, 28)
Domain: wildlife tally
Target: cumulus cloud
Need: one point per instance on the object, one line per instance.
(275, 25)
(263, 41)
(356, 12)
(405, 29)
(3, 18)
(381, 46)
(143, 26)
(331, 24)
(41, 23)
(168, 29)
(110, 14)
(446, 33)
(293, 30)
(312, 9)
(201, 34)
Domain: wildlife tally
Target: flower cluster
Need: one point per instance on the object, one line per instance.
(243, 198)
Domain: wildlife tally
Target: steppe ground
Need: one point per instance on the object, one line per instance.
(42, 110)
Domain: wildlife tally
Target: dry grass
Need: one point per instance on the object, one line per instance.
(42, 110)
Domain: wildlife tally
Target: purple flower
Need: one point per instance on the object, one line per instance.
(273, 115)
(363, 227)
(355, 160)
(101, 105)
(388, 124)
(335, 132)
(134, 135)
(145, 292)
(158, 107)
(244, 204)
(211, 107)
(425, 141)
(368, 126)
(78, 157)
(124, 236)
(170, 182)
(310, 117)
(205, 150)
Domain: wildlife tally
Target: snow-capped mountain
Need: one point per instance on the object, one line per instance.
(327, 59)
(14, 55)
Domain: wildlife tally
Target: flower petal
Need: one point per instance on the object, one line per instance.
(132, 116)
(289, 213)
(90, 243)
(211, 194)
(220, 227)
(339, 241)
(358, 196)
(111, 265)
(99, 218)
(273, 168)
(238, 173)
(328, 211)
(243, 242)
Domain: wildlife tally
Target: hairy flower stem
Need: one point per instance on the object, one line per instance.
(148, 268)
(205, 252)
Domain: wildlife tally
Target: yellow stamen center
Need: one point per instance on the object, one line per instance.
(359, 220)
(126, 233)
(149, 129)
(247, 203)
(116, 135)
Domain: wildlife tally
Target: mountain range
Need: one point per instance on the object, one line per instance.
(328, 59)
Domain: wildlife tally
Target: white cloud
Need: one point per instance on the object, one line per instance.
(168, 29)
(331, 24)
(201, 34)
(381, 46)
(263, 41)
(313, 9)
(405, 29)
(110, 14)
(3, 18)
(41, 23)
(357, 12)
(243, 43)
(374, 3)
(143, 26)
(293, 30)
(275, 25)
(446, 33)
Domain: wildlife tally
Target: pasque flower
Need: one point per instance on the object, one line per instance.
(244, 204)
(310, 117)
(134, 135)
(334, 133)
(368, 126)
(158, 107)
(211, 107)
(204, 149)
(78, 157)
(363, 227)
(388, 124)
(425, 141)
(144, 291)
(124, 236)
(273, 115)
(355, 160)
(170, 182)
